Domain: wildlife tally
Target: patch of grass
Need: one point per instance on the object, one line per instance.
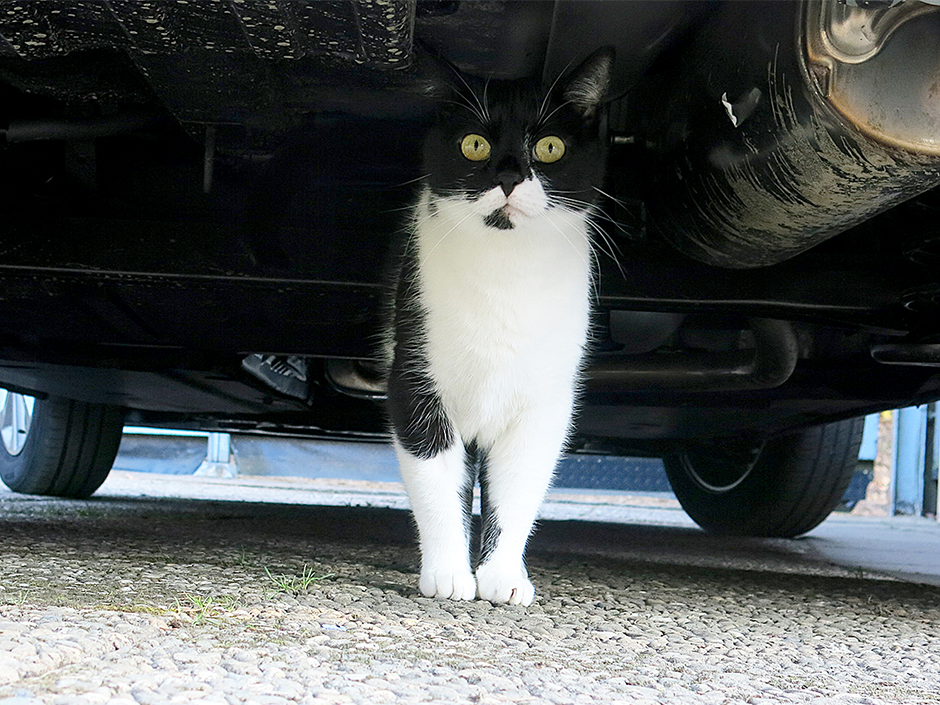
(205, 610)
(293, 584)
(241, 559)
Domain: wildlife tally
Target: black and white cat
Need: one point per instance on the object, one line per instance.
(490, 320)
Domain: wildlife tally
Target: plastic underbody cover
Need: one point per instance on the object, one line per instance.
(264, 62)
(210, 61)
(371, 32)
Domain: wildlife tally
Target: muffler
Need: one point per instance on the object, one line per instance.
(784, 124)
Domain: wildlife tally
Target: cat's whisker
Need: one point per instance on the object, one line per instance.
(607, 195)
(577, 203)
(597, 246)
(481, 111)
(616, 223)
(606, 245)
(549, 116)
(462, 192)
(612, 249)
(539, 120)
(412, 181)
(465, 104)
(600, 215)
(404, 229)
(594, 210)
(397, 210)
(468, 106)
(486, 103)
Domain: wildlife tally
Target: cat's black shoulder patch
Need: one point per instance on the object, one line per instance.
(414, 406)
(417, 413)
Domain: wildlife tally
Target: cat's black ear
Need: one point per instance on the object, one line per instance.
(586, 86)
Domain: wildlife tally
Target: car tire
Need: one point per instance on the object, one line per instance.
(783, 487)
(57, 447)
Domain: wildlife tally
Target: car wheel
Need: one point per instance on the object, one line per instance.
(55, 446)
(782, 487)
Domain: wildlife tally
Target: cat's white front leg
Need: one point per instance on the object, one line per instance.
(517, 473)
(438, 488)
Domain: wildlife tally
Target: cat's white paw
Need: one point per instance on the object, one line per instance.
(448, 584)
(502, 586)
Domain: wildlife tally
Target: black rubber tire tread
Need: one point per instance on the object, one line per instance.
(797, 481)
(69, 450)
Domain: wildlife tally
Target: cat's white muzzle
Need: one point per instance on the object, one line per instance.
(527, 200)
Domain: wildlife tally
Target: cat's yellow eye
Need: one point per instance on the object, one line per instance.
(549, 149)
(475, 147)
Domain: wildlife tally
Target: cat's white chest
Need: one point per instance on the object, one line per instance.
(506, 316)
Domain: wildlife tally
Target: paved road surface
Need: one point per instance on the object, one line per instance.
(140, 596)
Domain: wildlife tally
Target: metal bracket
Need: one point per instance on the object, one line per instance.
(220, 461)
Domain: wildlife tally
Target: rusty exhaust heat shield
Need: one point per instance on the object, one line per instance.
(784, 124)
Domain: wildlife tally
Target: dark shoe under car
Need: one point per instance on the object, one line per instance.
(185, 187)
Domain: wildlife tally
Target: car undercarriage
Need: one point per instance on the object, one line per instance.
(186, 184)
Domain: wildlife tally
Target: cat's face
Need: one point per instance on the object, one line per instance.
(511, 151)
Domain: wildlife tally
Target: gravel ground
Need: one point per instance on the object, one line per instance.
(169, 601)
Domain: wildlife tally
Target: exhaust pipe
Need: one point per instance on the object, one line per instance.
(768, 365)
